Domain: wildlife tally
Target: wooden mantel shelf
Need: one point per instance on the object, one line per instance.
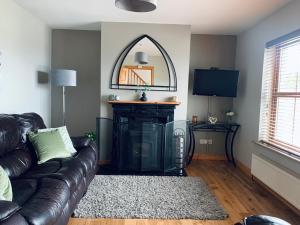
(145, 103)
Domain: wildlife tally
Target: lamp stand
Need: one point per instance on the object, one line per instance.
(64, 105)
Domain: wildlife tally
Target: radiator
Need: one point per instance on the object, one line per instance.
(282, 181)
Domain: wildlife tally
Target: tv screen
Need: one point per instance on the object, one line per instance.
(215, 82)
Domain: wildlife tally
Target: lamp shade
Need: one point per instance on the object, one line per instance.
(61, 77)
(137, 5)
(141, 58)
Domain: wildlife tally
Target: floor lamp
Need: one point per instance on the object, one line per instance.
(64, 78)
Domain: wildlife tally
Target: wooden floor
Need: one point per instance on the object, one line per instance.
(239, 195)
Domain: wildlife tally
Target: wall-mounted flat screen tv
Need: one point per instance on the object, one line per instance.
(215, 82)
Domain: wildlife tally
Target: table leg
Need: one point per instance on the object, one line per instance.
(226, 146)
(231, 146)
(192, 146)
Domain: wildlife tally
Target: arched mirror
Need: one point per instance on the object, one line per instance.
(144, 63)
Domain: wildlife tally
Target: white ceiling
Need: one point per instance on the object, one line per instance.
(204, 16)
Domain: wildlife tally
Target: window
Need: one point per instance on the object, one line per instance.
(280, 103)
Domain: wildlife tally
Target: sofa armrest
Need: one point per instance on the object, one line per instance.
(84, 142)
(80, 142)
(8, 209)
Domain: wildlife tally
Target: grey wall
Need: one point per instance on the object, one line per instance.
(250, 52)
(210, 51)
(24, 50)
(78, 50)
(174, 38)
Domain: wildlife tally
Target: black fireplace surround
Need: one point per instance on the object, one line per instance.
(141, 143)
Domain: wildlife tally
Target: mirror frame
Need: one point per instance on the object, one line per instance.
(172, 87)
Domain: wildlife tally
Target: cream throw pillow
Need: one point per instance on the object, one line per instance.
(5, 186)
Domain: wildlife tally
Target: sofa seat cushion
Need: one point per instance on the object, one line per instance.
(69, 170)
(23, 189)
(9, 214)
(15, 219)
(7, 209)
(44, 169)
(47, 203)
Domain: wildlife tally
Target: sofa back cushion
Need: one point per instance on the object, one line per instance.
(16, 162)
(16, 153)
(28, 122)
(9, 134)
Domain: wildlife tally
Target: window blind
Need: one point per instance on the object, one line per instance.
(280, 97)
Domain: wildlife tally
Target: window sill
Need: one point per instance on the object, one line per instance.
(278, 150)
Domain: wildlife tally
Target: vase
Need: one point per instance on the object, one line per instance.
(144, 97)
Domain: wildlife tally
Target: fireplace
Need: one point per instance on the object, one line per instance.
(141, 147)
(139, 139)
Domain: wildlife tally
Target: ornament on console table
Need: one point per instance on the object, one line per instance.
(212, 119)
(230, 115)
(195, 119)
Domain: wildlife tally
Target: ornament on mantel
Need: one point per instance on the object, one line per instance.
(142, 93)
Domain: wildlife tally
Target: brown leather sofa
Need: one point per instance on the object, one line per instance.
(44, 194)
(262, 220)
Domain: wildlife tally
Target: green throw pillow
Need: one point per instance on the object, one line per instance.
(49, 145)
(65, 136)
(5, 186)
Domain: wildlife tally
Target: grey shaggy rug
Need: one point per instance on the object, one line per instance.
(149, 197)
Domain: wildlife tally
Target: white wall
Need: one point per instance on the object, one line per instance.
(25, 47)
(210, 51)
(174, 38)
(250, 52)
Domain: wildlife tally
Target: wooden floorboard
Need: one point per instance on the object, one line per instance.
(239, 195)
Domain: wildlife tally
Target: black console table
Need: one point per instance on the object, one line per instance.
(229, 128)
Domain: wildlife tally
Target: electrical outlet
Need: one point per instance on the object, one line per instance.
(203, 141)
(209, 141)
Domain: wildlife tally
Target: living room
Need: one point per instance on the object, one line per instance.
(149, 112)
